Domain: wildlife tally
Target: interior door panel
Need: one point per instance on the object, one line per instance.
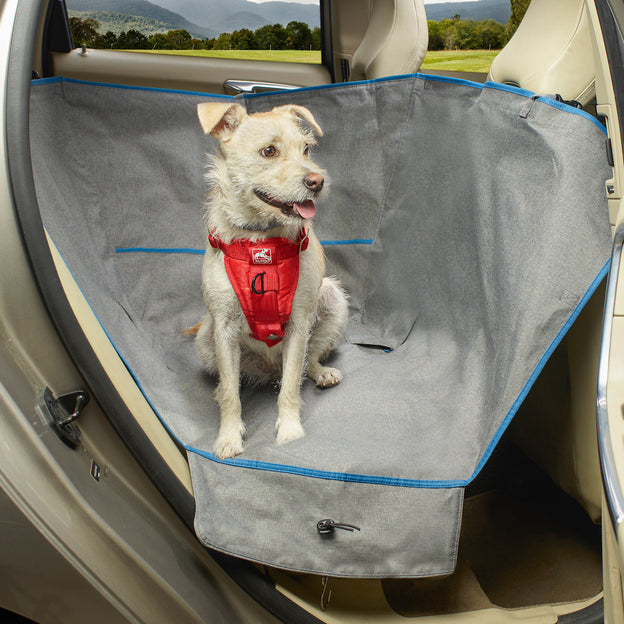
(186, 73)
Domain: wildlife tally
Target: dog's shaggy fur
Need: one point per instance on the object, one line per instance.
(263, 183)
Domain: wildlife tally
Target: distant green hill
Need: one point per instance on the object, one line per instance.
(498, 10)
(151, 15)
(208, 17)
(121, 22)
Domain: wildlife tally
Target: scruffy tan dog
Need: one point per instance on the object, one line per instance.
(271, 312)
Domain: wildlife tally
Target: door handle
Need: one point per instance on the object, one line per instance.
(236, 87)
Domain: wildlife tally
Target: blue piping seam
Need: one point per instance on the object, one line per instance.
(423, 483)
(268, 466)
(161, 250)
(380, 480)
(256, 465)
(448, 79)
(398, 482)
(538, 369)
(429, 77)
(350, 241)
(201, 252)
(574, 111)
(110, 85)
(499, 86)
(121, 357)
(356, 83)
(329, 475)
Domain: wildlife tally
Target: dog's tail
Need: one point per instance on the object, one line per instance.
(192, 331)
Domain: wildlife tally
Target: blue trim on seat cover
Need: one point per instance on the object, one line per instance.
(427, 77)
(201, 252)
(373, 479)
(338, 476)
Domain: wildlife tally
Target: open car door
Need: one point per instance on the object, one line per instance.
(608, 18)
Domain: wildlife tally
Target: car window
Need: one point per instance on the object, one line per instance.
(259, 30)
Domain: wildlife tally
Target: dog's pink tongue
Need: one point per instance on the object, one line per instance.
(305, 210)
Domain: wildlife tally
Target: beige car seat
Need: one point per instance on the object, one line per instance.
(551, 53)
(395, 41)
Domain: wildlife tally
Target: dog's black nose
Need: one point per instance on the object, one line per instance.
(314, 181)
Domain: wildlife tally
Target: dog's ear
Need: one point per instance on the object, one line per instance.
(220, 119)
(302, 113)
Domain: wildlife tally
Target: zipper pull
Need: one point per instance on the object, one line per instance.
(327, 526)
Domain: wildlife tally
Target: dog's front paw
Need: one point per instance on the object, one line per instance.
(288, 430)
(228, 444)
(328, 377)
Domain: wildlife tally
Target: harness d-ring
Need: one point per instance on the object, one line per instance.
(253, 284)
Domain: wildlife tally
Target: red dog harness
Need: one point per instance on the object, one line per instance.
(264, 275)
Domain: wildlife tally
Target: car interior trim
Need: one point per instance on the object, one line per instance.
(612, 486)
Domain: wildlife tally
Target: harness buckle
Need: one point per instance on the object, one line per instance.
(212, 239)
(304, 239)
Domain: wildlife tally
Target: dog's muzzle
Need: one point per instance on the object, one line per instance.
(306, 209)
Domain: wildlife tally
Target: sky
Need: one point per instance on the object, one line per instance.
(299, 1)
(317, 1)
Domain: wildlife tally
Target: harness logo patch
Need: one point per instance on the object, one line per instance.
(262, 255)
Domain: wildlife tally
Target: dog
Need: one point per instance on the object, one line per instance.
(271, 312)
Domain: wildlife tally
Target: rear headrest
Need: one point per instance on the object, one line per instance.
(551, 52)
(395, 41)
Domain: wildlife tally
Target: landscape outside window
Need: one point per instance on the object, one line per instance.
(462, 37)
(282, 31)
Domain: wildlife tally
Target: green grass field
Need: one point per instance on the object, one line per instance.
(458, 60)
(284, 56)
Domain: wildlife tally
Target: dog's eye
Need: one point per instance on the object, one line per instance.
(269, 152)
(306, 149)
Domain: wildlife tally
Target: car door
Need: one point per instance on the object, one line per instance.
(610, 402)
(73, 60)
(343, 26)
(358, 39)
(608, 18)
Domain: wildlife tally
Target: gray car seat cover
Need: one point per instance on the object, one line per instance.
(468, 224)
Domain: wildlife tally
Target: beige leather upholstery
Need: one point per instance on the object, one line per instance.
(551, 52)
(395, 41)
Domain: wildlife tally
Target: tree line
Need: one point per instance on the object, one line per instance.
(465, 34)
(294, 36)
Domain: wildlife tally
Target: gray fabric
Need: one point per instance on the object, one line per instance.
(476, 236)
(275, 516)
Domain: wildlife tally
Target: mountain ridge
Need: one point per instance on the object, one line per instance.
(237, 14)
(118, 22)
(136, 8)
(192, 14)
(498, 10)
